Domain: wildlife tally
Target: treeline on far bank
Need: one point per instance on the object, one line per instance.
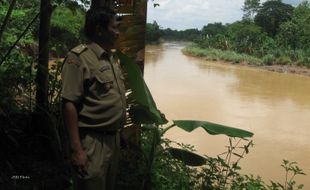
(269, 33)
(154, 33)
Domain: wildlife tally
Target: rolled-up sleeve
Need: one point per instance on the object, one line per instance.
(72, 78)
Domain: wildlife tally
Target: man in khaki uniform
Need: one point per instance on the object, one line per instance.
(94, 105)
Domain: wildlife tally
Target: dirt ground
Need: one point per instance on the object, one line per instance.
(288, 69)
(293, 69)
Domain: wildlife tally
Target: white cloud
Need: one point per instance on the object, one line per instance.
(184, 14)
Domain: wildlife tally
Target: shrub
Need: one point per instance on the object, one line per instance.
(253, 60)
(297, 55)
(283, 60)
(268, 59)
(306, 61)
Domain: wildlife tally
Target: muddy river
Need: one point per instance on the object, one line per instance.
(274, 106)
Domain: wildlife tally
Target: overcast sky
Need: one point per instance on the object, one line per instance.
(185, 14)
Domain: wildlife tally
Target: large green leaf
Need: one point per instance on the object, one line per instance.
(212, 128)
(189, 158)
(145, 111)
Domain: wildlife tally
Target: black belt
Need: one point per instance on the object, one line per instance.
(98, 131)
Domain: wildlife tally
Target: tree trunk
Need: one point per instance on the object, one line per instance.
(42, 73)
(49, 128)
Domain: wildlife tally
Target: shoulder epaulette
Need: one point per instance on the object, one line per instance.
(79, 49)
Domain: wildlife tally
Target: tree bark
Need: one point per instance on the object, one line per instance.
(42, 73)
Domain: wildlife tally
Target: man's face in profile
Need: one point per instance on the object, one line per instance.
(111, 33)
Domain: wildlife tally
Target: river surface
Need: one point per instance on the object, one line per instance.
(274, 106)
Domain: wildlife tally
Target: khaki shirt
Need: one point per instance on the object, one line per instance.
(95, 83)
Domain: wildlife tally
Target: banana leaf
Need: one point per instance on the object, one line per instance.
(144, 110)
(212, 128)
(189, 158)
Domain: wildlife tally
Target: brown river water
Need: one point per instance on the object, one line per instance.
(274, 106)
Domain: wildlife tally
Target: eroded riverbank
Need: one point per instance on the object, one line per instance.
(249, 62)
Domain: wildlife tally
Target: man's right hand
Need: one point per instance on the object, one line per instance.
(79, 157)
(80, 162)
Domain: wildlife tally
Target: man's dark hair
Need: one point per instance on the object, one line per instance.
(97, 16)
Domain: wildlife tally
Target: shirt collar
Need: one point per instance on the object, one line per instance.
(99, 51)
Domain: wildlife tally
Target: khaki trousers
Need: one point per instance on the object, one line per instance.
(103, 155)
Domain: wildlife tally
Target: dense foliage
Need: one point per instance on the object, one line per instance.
(271, 15)
(33, 157)
(153, 32)
(278, 34)
(66, 28)
(273, 32)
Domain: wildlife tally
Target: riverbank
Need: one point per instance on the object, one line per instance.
(230, 57)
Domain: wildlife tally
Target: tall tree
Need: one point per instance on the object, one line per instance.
(213, 29)
(272, 14)
(42, 73)
(250, 8)
(245, 36)
(153, 32)
(295, 33)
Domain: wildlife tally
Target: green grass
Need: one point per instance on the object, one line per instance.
(216, 54)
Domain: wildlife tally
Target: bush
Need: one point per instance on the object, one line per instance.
(16, 80)
(283, 60)
(268, 59)
(194, 50)
(297, 55)
(253, 60)
(218, 173)
(306, 61)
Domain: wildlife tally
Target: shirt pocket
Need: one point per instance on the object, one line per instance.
(104, 83)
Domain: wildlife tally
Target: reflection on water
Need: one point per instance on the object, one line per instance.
(276, 107)
(152, 53)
